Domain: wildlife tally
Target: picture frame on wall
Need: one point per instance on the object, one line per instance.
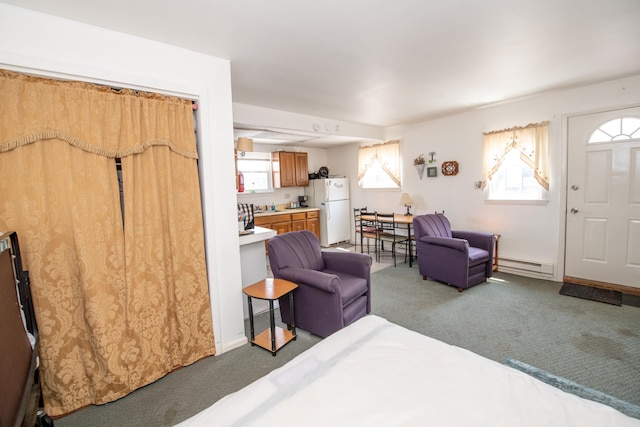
(432, 172)
(450, 168)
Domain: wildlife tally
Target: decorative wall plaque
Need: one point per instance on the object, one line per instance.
(450, 168)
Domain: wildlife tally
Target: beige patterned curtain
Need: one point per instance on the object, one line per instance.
(118, 303)
(387, 154)
(532, 141)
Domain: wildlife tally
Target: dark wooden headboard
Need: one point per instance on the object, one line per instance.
(17, 358)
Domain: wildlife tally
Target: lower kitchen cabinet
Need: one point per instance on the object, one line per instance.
(281, 223)
(313, 223)
(296, 221)
(281, 227)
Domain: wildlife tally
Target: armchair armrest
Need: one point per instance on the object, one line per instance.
(356, 264)
(323, 281)
(476, 239)
(453, 243)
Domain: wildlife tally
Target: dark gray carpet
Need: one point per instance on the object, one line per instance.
(632, 300)
(594, 344)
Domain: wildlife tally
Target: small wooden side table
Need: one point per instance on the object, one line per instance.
(269, 289)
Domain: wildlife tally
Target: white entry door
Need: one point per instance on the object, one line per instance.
(603, 198)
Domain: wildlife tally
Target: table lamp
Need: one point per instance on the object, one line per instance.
(406, 200)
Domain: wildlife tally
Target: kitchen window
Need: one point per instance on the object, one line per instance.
(256, 170)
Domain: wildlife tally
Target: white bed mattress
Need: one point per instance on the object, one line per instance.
(377, 373)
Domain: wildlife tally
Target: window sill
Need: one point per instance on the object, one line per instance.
(396, 189)
(253, 192)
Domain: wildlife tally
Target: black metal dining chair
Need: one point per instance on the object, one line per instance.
(366, 228)
(388, 232)
(357, 220)
(369, 230)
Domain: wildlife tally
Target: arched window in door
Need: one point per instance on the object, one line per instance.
(621, 129)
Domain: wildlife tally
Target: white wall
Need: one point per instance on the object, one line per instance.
(44, 45)
(528, 231)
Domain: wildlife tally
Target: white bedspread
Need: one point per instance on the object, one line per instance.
(375, 373)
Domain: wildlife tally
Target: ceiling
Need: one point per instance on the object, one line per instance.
(381, 62)
(285, 137)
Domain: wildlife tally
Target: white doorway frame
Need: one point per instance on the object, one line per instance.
(562, 212)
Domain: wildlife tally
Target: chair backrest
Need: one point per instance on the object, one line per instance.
(387, 223)
(369, 227)
(357, 213)
(299, 249)
(434, 225)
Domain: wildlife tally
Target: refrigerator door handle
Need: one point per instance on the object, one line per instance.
(327, 192)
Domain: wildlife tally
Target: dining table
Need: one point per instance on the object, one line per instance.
(401, 221)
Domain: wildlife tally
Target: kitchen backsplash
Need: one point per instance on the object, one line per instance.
(281, 198)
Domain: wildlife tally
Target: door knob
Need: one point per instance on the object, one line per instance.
(574, 210)
(574, 187)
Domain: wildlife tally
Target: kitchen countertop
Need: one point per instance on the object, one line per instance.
(259, 234)
(283, 211)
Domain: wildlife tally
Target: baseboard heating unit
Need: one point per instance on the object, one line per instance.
(527, 268)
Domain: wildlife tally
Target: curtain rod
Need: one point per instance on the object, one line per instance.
(530, 125)
(117, 88)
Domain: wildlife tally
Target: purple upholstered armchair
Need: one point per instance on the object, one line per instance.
(458, 258)
(334, 288)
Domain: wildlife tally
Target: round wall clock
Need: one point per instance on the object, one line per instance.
(449, 168)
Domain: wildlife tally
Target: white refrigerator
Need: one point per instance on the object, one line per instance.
(331, 195)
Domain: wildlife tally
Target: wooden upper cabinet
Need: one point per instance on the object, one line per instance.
(290, 169)
(302, 169)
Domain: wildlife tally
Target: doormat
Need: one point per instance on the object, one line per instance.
(632, 300)
(569, 386)
(594, 294)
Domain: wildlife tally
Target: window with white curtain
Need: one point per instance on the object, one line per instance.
(379, 166)
(516, 163)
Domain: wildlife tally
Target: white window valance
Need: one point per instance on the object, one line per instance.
(532, 141)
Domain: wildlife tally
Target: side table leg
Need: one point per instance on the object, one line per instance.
(253, 333)
(293, 315)
(410, 246)
(272, 319)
